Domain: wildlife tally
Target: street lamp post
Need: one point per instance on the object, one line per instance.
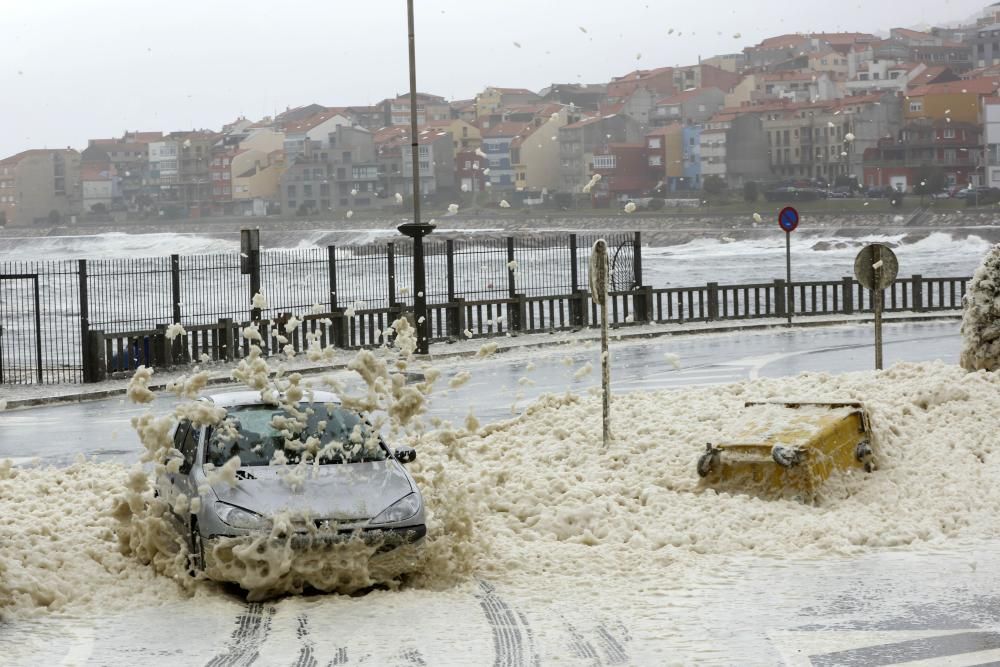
(415, 229)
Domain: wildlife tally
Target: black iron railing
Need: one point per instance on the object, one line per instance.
(76, 321)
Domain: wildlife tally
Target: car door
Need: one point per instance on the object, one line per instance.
(169, 491)
(189, 450)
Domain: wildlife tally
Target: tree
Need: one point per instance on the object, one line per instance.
(929, 180)
(99, 208)
(713, 185)
(750, 191)
(54, 217)
(656, 204)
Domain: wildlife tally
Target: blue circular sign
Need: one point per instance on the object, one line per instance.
(788, 219)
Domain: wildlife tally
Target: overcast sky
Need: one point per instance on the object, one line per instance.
(75, 69)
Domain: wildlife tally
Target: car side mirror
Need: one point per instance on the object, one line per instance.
(405, 454)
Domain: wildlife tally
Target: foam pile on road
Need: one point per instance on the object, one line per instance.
(536, 497)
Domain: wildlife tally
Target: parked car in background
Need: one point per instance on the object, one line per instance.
(794, 194)
(834, 194)
(879, 192)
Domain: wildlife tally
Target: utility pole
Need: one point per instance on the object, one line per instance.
(416, 230)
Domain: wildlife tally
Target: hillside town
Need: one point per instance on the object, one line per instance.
(839, 112)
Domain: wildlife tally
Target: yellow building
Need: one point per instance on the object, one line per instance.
(465, 135)
(742, 93)
(493, 100)
(958, 100)
(535, 155)
(257, 175)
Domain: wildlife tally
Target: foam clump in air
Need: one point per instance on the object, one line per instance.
(173, 331)
(138, 386)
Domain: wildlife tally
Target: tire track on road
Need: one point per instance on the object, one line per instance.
(252, 628)
(306, 657)
(513, 642)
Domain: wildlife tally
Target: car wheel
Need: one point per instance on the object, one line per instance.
(196, 556)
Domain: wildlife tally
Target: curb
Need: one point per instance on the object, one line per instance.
(99, 394)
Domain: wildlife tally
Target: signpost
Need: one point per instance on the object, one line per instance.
(599, 293)
(876, 267)
(788, 220)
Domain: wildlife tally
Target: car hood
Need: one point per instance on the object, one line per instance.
(345, 492)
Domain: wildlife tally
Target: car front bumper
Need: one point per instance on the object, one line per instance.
(385, 539)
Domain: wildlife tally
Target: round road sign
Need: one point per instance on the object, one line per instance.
(788, 219)
(876, 266)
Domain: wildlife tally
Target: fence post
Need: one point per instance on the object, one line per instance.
(175, 286)
(918, 292)
(97, 369)
(517, 314)
(341, 337)
(637, 258)
(165, 354)
(456, 318)
(511, 282)
(254, 282)
(331, 253)
(713, 301)
(390, 257)
(578, 308)
(574, 277)
(84, 321)
(780, 290)
(643, 300)
(227, 339)
(847, 295)
(450, 258)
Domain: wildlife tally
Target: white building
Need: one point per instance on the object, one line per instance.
(991, 127)
(163, 163)
(712, 145)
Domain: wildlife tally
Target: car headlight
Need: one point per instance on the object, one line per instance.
(237, 517)
(401, 510)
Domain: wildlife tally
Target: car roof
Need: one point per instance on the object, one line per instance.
(235, 398)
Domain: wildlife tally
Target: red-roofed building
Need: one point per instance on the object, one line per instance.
(689, 106)
(886, 75)
(579, 141)
(393, 151)
(955, 101)
(951, 148)
(396, 111)
(625, 173)
(659, 81)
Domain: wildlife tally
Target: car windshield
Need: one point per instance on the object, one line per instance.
(265, 434)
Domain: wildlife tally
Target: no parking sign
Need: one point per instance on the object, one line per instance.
(788, 220)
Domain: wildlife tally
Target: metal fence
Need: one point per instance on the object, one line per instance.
(73, 321)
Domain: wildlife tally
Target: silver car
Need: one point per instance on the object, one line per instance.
(355, 491)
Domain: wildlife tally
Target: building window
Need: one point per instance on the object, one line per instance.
(291, 191)
(916, 105)
(655, 161)
(949, 133)
(604, 162)
(654, 142)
